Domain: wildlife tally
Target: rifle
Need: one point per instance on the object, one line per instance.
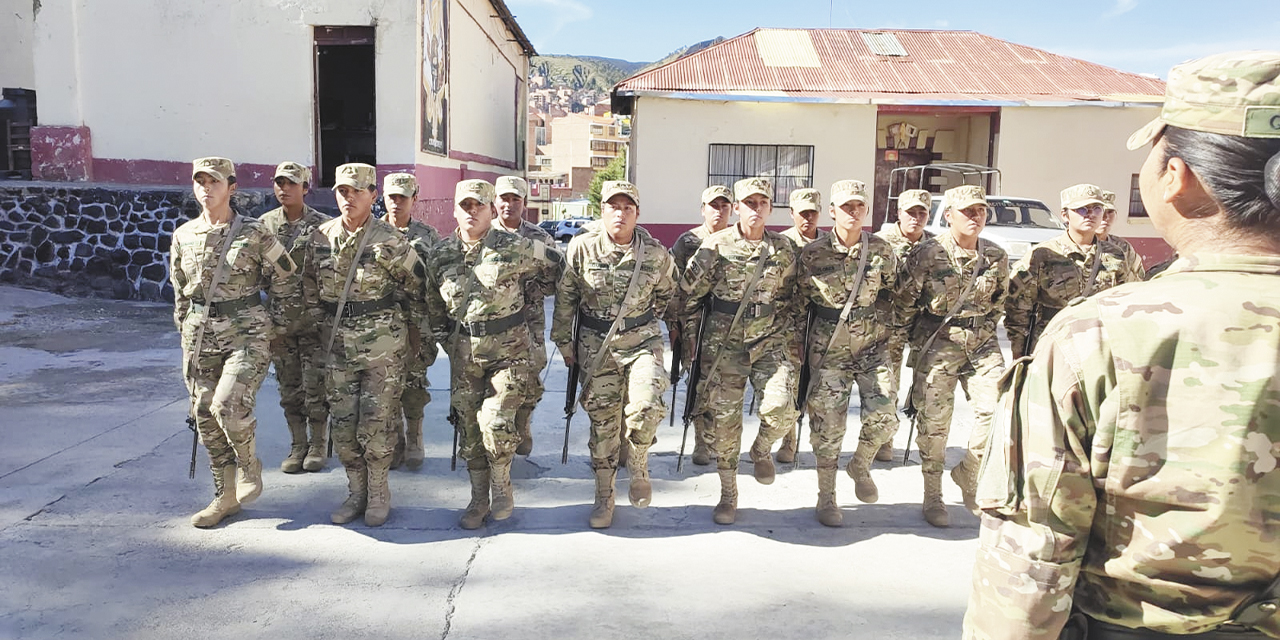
(806, 376)
(453, 452)
(571, 390)
(1029, 340)
(695, 378)
(195, 441)
(677, 352)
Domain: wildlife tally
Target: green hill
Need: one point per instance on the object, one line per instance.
(593, 72)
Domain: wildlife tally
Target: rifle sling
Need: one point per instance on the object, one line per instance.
(617, 319)
(346, 288)
(1093, 272)
(841, 324)
(765, 252)
(955, 308)
(219, 275)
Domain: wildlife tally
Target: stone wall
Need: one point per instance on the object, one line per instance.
(103, 241)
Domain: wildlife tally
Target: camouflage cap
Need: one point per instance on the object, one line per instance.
(401, 184)
(847, 191)
(218, 168)
(478, 190)
(355, 174)
(1108, 199)
(511, 184)
(965, 196)
(716, 191)
(914, 198)
(612, 188)
(1236, 94)
(806, 200)
(748, 187)
(1081, 195)
(293, 172)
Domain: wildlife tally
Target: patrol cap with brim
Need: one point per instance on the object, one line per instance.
(846, 191)
(914, 198)
(748, 187)
(355, 174)
(478, 190)
(1108, 200)
(217, 168)
(612, 188)
(1235, 94)
(400, 184)
(805, 200)
(965, 196)
(511, 184)
(716, 191)
(293, 172)
(1081, 195)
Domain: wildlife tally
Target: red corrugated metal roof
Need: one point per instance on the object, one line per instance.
(939, 65)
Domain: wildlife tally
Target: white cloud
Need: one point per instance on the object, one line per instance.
(559, 13)
(1122, 7)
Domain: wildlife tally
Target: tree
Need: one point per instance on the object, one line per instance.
(615, 170)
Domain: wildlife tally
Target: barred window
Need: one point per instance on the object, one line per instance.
(1136, 208)
(790, 167)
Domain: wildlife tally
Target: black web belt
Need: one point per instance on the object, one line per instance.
(963, 323)
(602, 326)
(226, 307)
(484, 328)
(753, 310)
(358, 308)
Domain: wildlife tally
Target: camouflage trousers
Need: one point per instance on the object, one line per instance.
(414, 396)
(485, 396)
(363, 405)
(933, 394)
(895, 349)
(828, 404)
(223, 387)
(770, 369)
(702, 419)
(537, 363)
(623, 397)
(299, 361)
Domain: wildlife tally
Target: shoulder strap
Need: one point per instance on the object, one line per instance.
(346, 287)
(1093, 273)
(955, 308)
(1260, 607)
(466, 289)
(219, 275)
(617, 320)
(848, 304)
(765, 252)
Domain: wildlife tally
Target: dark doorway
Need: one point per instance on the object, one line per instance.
(346, 110)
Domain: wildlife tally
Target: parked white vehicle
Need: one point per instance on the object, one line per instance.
(1015, 224)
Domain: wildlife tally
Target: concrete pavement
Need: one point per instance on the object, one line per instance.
(95, 539)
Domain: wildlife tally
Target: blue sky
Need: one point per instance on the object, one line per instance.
(1141, 36)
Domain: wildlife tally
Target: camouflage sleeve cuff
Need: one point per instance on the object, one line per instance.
(1015, 597)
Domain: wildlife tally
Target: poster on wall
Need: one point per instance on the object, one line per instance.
(435, 76)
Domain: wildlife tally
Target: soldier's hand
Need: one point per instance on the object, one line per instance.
(415, 340)
(566, 353)
(674, 330)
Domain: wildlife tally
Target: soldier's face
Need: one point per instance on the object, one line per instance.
(353, 201)
(849, 215)
(969, 221)
(806, 221)
(716, 213)
(1104, 225)
(912, 220)
(754, 210)
(474, 217)
(619, 214)
(398, 205)
(288, 192)
(1083, 219)
(210, 192)
(510, 208)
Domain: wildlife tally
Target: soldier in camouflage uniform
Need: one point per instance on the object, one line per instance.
(964, 276)
(806, 205)
(477, 281)
(623, 393)
(298, 357)
(1075, 264)
(512, 192)
(849, 270)
(1132, 261)
(757, 347)
(399, 192)
(1131, 482)
(717, 205)
(904, 235)
(219, 264)
(364, 326)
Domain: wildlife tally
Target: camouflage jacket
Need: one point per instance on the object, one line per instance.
(256, 262)
(936, 274)
(687, 245)
(1132, 261)
(799, 241)
(534, 292)
(424, 236)
(388, 267)
(896, 316)
(1049, 276)
(827, 271)
(595, 280)
(503, 266)
(722, 267)
(1132, 463)
(293, 235)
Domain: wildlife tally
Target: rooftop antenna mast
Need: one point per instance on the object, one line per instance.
(831, 9)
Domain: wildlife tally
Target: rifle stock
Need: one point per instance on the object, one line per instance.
(571, 391)
(453, 452)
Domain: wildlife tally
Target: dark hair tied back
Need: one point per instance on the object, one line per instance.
(1242, 174)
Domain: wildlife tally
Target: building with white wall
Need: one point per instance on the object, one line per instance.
(131, 90)
(810, 107)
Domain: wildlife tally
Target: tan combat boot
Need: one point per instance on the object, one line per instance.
(640, 489)
(859, 468)
(504, 500)
(828, 512)
(249, 478)
(727, 510)
(357, 494)
(701, 453)
(224, 499)
(935, 511)
(526, 436)
(965, 475)
(885, 454)
(473, 517)
(790, 446)
(602, 512)
(378, 505)
(297, 450)
(762, 462)
(413, 451)
(318, 451)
